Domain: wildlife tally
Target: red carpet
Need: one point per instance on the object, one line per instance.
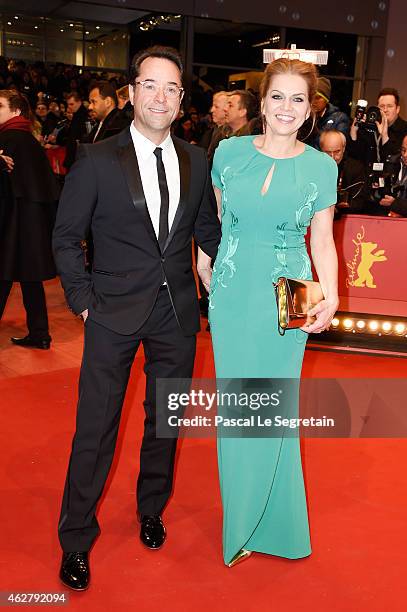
(357, 495)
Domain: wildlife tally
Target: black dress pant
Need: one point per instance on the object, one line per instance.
(34, 304)
(106, 364)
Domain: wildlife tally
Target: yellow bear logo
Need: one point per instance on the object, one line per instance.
(368, 258)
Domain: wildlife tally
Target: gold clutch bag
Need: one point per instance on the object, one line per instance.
(295, 297)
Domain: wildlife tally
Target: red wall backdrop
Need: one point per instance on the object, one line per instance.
(372, 255)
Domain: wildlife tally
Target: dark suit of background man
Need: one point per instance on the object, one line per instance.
(77, 127)
(143, 205)
(110, 120)
(353, 193)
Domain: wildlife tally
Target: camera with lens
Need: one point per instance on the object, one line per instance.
(366, 118)
(383, 181)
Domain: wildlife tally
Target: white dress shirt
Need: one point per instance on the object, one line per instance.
(147, 162)
(98, 130)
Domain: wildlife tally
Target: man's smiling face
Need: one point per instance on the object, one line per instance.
(154, 112)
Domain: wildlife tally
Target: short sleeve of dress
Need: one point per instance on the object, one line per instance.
(326, 182)
(217, 166)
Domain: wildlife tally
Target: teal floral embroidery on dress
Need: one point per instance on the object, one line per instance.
(303, 216)
(281, 253)
(302, 221)
(224, 190)
(227, 266)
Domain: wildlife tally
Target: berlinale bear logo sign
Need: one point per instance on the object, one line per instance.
(359, 268)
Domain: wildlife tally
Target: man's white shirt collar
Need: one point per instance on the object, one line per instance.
(146, 147)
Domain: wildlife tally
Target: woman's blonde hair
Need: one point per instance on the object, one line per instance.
(285, 66)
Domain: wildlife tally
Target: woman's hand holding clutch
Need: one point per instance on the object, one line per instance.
(324, 312)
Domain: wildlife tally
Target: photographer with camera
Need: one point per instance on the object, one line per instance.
(352, 194)
(396, 203)
(389, 104)
(376, 132)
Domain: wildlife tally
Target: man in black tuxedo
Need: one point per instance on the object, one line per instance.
(143, 194)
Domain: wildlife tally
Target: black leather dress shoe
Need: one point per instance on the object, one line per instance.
(31, 343)
(75, 572)
(152, 532)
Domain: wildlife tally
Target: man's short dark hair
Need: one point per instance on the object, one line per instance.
(106, 90)
(159, 51)
(75, 95)
(390, 91)
(247, 100)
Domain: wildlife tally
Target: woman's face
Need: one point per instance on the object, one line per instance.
(5, 112)
(286, 104)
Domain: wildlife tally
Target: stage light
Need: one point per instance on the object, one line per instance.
(373, 326)
(386, 327)
(71, 25)
(335, 322)
(315, 57)
(348, 323)
(399, 328)
(361, 325)
(98, 27)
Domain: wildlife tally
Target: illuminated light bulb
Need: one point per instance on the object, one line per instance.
(361, 325)
(386, 326)
(400, 328)
(348, 323)
(335, 322)
(373, 326)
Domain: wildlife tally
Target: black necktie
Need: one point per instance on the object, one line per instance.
(165, 199)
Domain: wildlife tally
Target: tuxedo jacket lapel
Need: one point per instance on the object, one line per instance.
(128, 161)
(130, 167)
(185, 179)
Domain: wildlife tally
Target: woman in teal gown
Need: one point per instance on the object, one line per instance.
(270, 188)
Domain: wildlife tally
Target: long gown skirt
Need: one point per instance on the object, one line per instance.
(261, 479)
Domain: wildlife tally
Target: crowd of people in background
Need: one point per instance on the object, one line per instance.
(72, 105)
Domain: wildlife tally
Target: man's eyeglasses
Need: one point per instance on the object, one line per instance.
(170, 91)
